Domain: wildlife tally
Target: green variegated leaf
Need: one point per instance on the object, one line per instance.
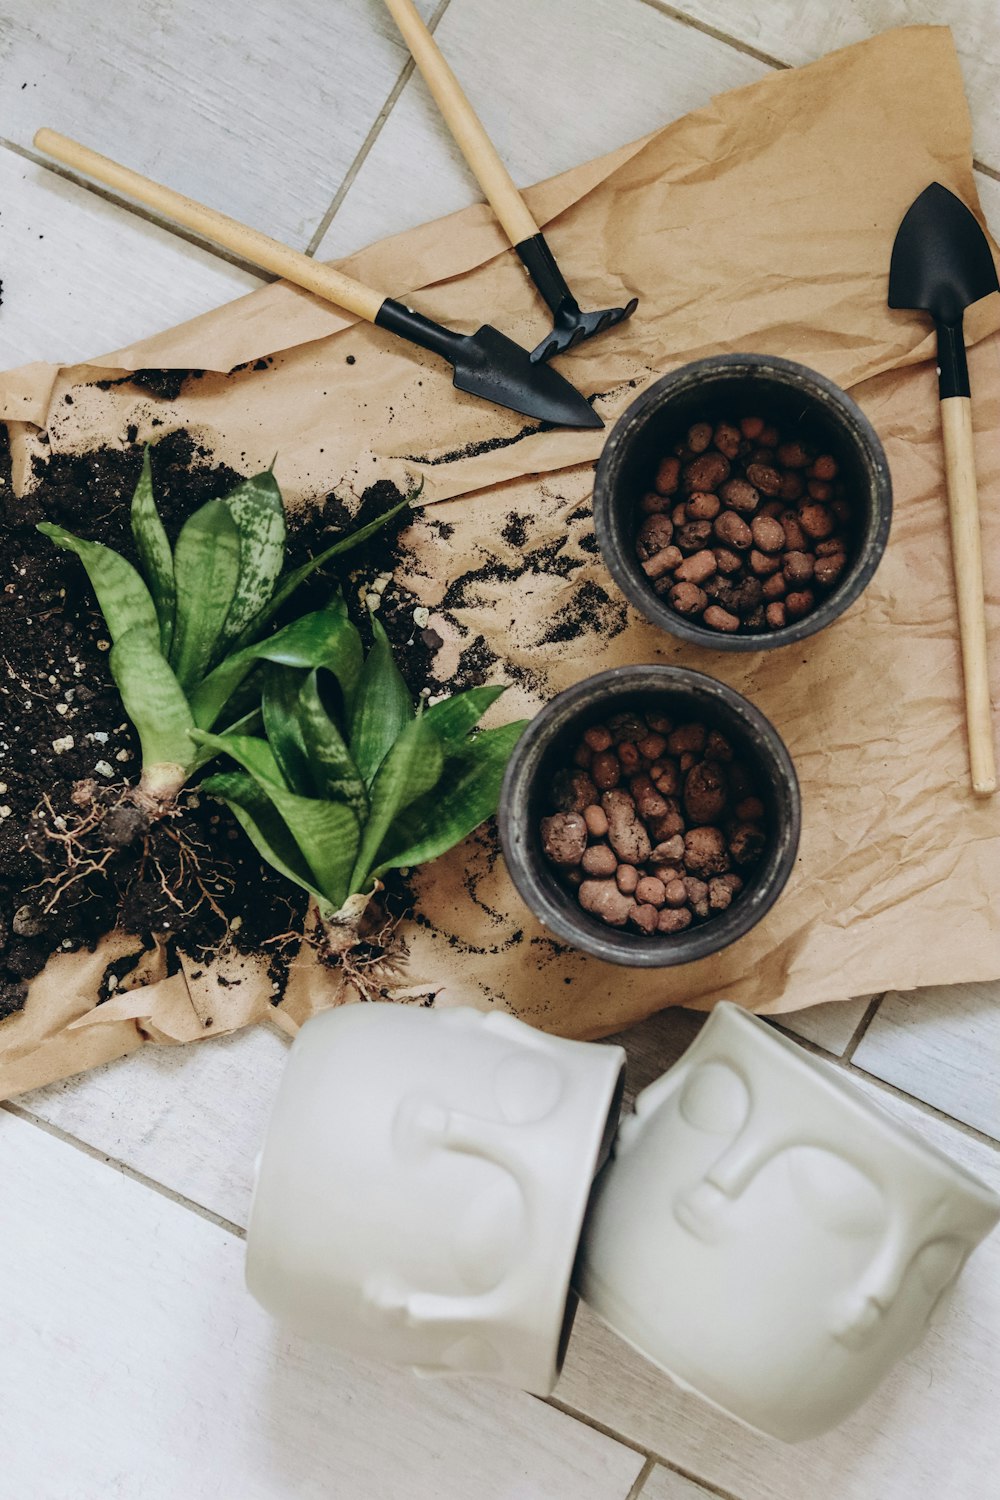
(325, 638)
(326, 833)
(453, 717)
(279, 705)
(410, 770)
(254, 755)
(382, 707)
(262, 824)
(153, 698)
(336, 774)
(124, 599)
(206, 569)
(154, 552)
(291, 581)
(467, 795)
(255, 506)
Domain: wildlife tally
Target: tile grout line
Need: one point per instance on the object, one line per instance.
(408, 69)
(640, 1479)
(122, 1167)
(137, 210)
(972, 1131)
(653, 1458)
(858, 1035)
(852, 1070)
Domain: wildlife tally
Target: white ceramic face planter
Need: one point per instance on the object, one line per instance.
(767, 1236)
(423, 1185)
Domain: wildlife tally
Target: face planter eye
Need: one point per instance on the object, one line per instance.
(716, 1100)
(835, 1194)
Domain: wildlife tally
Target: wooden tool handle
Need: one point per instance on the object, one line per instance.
(967, 557)
(253, 246)
(464, 124)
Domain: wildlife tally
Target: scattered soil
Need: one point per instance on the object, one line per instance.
(66, 747)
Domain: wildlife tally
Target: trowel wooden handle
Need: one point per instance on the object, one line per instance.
(464, 124)
(967, 557)
(260, 249)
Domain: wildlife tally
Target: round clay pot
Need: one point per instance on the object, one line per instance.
(710, 389)
(547, 745)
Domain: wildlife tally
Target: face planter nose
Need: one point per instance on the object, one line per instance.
(701, 1210)
(860, 1322)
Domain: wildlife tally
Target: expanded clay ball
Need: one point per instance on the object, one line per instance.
(652, 821)
(762, 508)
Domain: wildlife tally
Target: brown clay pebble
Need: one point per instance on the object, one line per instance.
(829, 569)
(699, 437)
(696, 568)
(752, 427)
(693, 535)
(599, 860)
(727, 561)
(603, 899)
(606, 770)
(675, 893)
(746, 843)
(649, 803)
(706, 472)
(733, 531)
(644, 917)
(720, 619)
(798, 566)
(764, 478)
(583, 757)
(627, 879)
(703, 507)
(697, 896)
(687, 599)
(750, 810)
(673, 919)
(572, 791)
(564, 838)
(705, 851)
(816, 521)
(626, 831)
(653, 535)
(687, 737)
(664, 776)
(705, 792)
(662, 562)
(763, 564)
(652, 747)
(825, 467)
(768, 534)
(651, 890)
(629, 757)
(799, 603)
(668, 476)
(775, 587)
(598, 738)
(727, 439)
(596, 820)
(739, 495)
(668, 851)
(775, 615)
(791, 487)
(792, 456)
(653, 504)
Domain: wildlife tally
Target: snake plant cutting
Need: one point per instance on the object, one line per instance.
(350, 779)
(191, 625)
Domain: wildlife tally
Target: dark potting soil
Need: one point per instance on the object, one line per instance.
(66, 747)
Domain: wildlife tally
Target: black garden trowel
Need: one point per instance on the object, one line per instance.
(941, 264)
(570, 325)
(486, 363)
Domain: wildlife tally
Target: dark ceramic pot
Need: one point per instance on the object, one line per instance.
(711, 389)
(547, 745)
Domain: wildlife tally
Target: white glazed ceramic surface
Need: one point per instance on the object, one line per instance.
(767, 1236)
(423, 1185)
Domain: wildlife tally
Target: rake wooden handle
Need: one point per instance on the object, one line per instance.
(464, 124)
(967, 558)
(259, 249)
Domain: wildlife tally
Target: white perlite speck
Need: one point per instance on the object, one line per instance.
(421, 615)
(66, 743)
(103, 768)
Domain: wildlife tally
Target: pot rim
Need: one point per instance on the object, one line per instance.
(520, 843)
(624, 567)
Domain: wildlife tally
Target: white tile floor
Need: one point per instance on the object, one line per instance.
(131, 1361)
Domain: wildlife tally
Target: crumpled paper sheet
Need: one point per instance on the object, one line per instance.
(762, 222)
